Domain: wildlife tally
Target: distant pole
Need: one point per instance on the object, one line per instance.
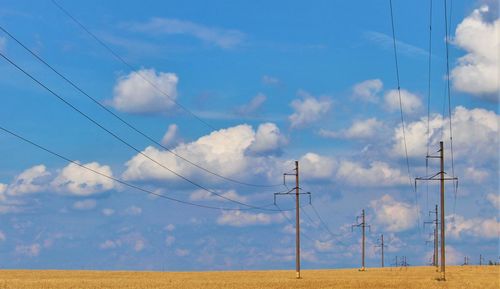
(436, 240)
(363, 243)
(443, 248)
(480, 260)
(363, 227)
(382, 236)
(297, 222)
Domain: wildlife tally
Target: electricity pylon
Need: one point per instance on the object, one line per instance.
(441, 179)
(435, 222)
(297, 213)
(381, 246)
(363, 225)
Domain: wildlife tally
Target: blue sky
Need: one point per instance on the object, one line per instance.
(276, 82)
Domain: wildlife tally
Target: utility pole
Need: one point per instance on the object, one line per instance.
(480, 260)
(363, 225)
(297, 213)
(381, 240)
(441, 179)
(435, 222)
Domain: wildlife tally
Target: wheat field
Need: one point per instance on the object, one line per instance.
(467, 277)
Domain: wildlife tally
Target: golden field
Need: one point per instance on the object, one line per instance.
(467, 277)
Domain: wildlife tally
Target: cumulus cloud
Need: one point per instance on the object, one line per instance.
(88, 204)
(475, 134)
(308, 110)
(254, 104)
(202, 195)
(31, 180)
(107, 212)
(376, 174)
(223, 38)
(32, 250)
(169, 241)
(360, 129)
(326, 246)
(268, 140)
(145, 91)
(170, 136)
(270, 80)
(394, 216)
(79, 181)
(223, 151)
(182, 252)
(457, 226)
(411, 102)
(494, 199)
(367, 90)
(314, 166)
(109, 244)
(243, 219)
(133, 211)
(477, 71)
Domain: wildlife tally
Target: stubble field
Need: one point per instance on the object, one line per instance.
(467, 277)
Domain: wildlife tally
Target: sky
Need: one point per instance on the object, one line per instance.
(222, 98)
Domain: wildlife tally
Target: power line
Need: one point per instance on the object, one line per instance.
(128, 124)
(125, 142)
(130, 66)
(429, 101)
(119, 180)
(402, 115)
(449, 99)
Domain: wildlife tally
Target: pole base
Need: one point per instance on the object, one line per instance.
(362, 269)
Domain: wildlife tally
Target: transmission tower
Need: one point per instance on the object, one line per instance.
(441, 179)
(381, 245)
(363, 226)
(435, 222)
(297, 213)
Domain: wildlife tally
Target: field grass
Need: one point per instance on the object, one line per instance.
(468, 277)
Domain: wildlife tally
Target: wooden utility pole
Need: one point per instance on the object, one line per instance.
(363, 226)
(441, 179)
(435, 252)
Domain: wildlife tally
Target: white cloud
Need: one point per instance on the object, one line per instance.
(315, 166)
(170, 227)
(169, 241)
(170, 135)
(243, 219)
(386, 42)
(475, 134)
(457, 227)
(367, 90)
(376, 174)
(3, 190)
(182, 252)
(133, 211)
(360, 129)
(326, 246)
(107, 212)
(79, 181)
(268, 139)
(308, 110)
(494, 199)
(88, 204)
(139, 245)
(222, 151)
(202, 195)
(477, 72)
(254, 104)
(411, 103)
(476, 175)
(270, 80)
(2, 236)
(393, 215)
(109, 244)
(31, 180)
(224, 38)
(145, 91)
(28, 250)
